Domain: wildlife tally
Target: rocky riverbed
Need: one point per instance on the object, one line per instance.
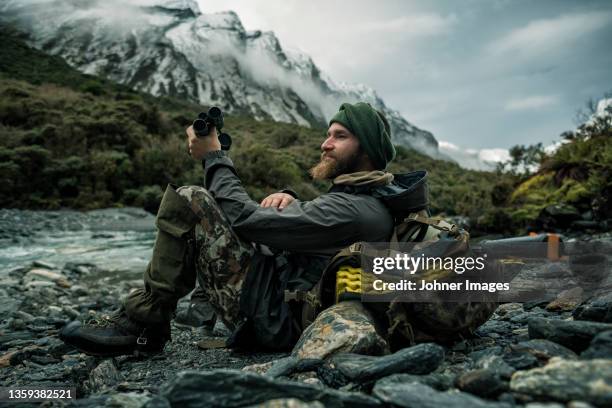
(558, 351)
(551, 353)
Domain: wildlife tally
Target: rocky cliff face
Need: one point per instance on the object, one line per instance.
(168, 47)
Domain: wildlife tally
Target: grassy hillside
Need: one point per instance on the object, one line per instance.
(73, 140)
(574, 183)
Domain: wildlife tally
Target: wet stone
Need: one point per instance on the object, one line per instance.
(415, 395)
(543, 350)
(566, 300)
(287, 366)
(437, 381)
(579, 404)
(348, 367)
(563, 380)
(38, 275)
(482, 382)
(600, 347)
(598, 309)
(45, 265)
(7, 303)
(575, 335)
(288, 403)
(195, 314)
(509, 309)
(494, 327)
(105, 375)
(232, 388)
(520, 360)
(486, 352)
(128, 400)
(497, 365)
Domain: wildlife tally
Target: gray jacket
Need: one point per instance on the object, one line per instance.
(324, 225)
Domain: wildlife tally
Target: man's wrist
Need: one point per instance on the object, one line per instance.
(289, 191)
(214, 154)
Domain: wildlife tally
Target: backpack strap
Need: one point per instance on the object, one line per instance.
(436, 223)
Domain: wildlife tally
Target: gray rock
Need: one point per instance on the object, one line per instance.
(414, 395)
(575, 335)
(590, 269)
(221, 330)
(105, 375)
(287, 366)
(520, 360)
(288, 403)
(579, 404)
(494, 326)
(482, 382)
(195, 313)
(7, 303)
(509, 309)
(43, 264)
(544, 350)
(536, 352)
(437, 381)
(44, 275)
(128, 400)
(486, 352)
(234, 388)
(497, 365)
(95, 401)
(348, 367)
(563, 380)
(598, 309)
(600, 347)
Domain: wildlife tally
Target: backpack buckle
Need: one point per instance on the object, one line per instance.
(356, 248)
(295, 295)
(141, 341)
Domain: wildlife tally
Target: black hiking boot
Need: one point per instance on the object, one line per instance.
(116, 335)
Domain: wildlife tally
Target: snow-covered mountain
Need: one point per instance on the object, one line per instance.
(168, 47)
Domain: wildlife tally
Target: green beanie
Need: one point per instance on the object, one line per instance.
(371, 128)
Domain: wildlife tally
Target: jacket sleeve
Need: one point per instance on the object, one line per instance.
(324, 225)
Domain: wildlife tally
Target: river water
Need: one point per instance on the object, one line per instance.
(117, 240)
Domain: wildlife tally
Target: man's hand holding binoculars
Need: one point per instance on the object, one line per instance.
(203, 136)
(199, 146)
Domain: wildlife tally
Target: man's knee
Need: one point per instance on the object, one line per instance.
(196, 194)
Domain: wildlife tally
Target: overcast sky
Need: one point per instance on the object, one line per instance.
(476, 73)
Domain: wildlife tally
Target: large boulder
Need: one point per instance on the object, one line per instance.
(344, 327)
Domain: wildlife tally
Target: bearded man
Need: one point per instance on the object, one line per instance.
(244, 255)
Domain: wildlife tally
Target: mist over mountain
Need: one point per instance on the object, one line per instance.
(169, 47)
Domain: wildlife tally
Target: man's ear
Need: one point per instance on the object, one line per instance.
(365, 160)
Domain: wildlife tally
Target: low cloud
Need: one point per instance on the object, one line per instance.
(531, 102)
(476, 159)
(416, 25)
(543, 34)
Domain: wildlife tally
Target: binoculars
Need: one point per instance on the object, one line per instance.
(208, 120)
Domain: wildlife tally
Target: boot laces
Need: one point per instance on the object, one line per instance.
(105, 320)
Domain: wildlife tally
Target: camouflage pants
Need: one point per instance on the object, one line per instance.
(194, 241)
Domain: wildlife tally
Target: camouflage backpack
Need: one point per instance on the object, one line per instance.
(402, 323)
